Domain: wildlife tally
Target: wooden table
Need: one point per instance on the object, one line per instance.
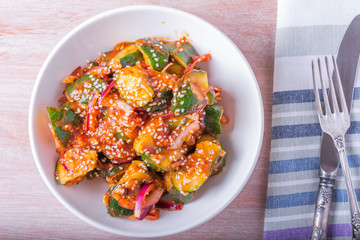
(28, 32)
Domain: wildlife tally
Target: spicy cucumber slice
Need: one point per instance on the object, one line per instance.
(219, 165)
(221, 161)
(150, 138)
(127, 56)
(144, 143)
(74, 164)
(166, 160)
(155, 53)
(175, 68)
(198, 167)
(137, 170)
(184, 100)
(60, 120)
(115, 210)
(130, 59)
(211, 97)
(175, 121)
(81, 89)
(133, 86)
(105, 171)
(160, 102)
(192, 93)
(178, 197)
(183, 52)
(212, 118)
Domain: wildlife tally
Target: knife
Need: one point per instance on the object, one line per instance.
(347, 60)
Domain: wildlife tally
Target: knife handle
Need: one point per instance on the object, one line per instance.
(322, 209)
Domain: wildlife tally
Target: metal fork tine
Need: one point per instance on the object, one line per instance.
(331, 87)
(323, 86)
(316, 92)
(341, 91)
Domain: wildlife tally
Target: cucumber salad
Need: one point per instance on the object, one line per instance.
(143, 117)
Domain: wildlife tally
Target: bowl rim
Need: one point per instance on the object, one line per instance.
(90, 20)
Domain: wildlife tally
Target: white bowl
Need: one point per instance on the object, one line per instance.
(228, 69)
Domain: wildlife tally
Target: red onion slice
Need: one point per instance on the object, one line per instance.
(145, 212)
(108, 80)
(167, 115)
(179, 140)
(169, 206)
(66, 167)
(106, 91)
(153, 197)
(139, 209)
(203, 58)
(124, 106)
(178, 162)
(139, 110)
(147, 198)
(121, 161)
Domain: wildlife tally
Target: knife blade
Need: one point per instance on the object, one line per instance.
(347, 60)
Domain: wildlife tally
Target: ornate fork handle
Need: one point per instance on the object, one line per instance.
(354, 206)
(335, 121)
(322, 208)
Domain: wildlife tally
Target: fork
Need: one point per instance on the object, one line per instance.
(335, 121)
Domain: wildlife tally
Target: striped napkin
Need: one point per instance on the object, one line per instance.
(306, 29)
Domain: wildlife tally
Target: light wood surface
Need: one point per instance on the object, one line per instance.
(28, 32)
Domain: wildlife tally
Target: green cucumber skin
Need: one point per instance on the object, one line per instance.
(211, 97)
(92, 64)
(157, 104)
(181, 198)
(67, 117)
(131, 59)
(70, 88)
(100, 86)
(67, 105)
(188, 100)
(175, 68)
(162, 56)
(149, 162)
(190, 191)
(186, 56)
(63, 136)
(115, 210)
(182, 55)
(58, 114)
(189, 49)
(101, 172)
(221, 161)
(212, 118)
(185, 99)
(120, 135)
(218, 166)
(113, 170)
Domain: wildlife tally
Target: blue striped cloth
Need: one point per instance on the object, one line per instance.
(306, 29)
